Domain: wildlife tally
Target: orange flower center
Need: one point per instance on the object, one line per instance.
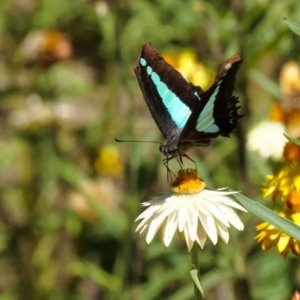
(187, 182)
(291, 152)
(293, 201)
(277, 113)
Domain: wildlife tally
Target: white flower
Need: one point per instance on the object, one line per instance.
(267, 138)
(195, 215)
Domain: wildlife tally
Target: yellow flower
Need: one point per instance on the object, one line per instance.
(190, 68)
(290, 77)
(296, 295)
(286, 185)
(291, 152)
(193, 70)
(190, 210)
(290, 86)
(46, 47)
(282, 183)
(287, 179)
(109, 161)
(270, 236)
(292, 201)
(277, 113)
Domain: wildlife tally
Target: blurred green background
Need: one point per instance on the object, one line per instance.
(70, 194)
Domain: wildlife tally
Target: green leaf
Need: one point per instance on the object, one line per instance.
(293, 26)
(295, 141)
(85, 269)
(264, 82)
(194, 275)
(270, 216)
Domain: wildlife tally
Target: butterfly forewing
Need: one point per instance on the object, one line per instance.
(169, 96)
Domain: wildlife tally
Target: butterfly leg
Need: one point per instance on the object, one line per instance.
(170, 173)
(185, 155)
(180, 161)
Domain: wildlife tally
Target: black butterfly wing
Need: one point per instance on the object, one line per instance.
(217, 111)
(169, 96)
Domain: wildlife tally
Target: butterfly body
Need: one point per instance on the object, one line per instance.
(186, 115)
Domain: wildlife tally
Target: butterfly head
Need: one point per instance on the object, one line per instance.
(172, 146)
(169, 151)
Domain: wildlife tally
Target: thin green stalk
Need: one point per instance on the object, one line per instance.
(195, 273)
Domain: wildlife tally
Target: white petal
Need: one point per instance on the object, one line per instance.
(170, 228)
(232, 217)
(142, 225)
(148, 212)
(188, 240)
(209, 226)
(201, 235)
(233, 204)
(223, 232)
(147, 220)
(192, 224)
(141, 231)
(153, 228)
(182, 218)
(216, 211)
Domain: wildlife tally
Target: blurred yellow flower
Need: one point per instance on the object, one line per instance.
(190, 68)
(270, 236)
(277, 114)
(283, 182)
(292, 201)
(296, 296)
(46, 47)
(109, 161)
(171, 59)
(289, 78)
(287, 178)
(291, 152)
(286, 185)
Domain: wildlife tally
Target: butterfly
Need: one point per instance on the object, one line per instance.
(186, 115)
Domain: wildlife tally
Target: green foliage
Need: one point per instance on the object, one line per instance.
(293, 26)
(66, 219)
(295, 141)
(270, 216)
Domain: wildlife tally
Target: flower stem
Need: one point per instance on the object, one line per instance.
(195, 273)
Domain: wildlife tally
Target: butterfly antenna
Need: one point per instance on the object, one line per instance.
(135, 141)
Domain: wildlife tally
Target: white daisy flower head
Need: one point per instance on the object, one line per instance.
(191, 210)
(267, 138)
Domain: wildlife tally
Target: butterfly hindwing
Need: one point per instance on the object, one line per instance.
(225, 112)
(169, 96)
(216, 113)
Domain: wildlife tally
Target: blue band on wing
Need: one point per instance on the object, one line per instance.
(206, 121)
(177, 109)
(197, 95)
